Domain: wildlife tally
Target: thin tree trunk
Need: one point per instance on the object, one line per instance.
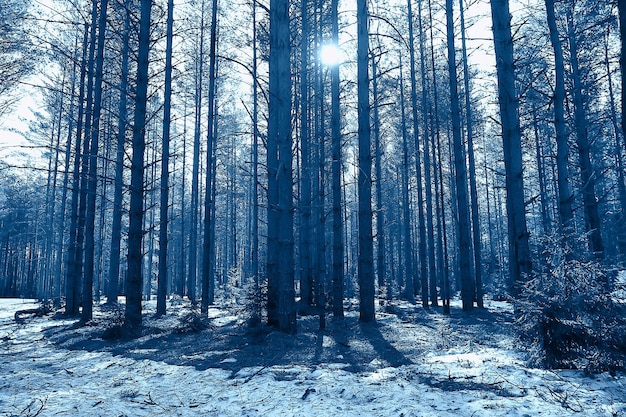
(587, 174)
(81, 268)
(335, 126)
(478, 269)
(381, 268)
(66, 177)
(430, 231)
(50, 279)
(320, 232)
(72, 292)
(366, 249)
(182, 266)
(464, 226)
(165, 158)
(621, 6)
(566, 214)
(543, 189)
(206, 259)
(255, 172)
(92, 181)
(306, 272)
(621, 185)
(116, 227)
(442, 232)
(211, 254)
(409, 288)
(422, 257)
(193, 230)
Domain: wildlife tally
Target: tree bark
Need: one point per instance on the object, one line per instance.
(381, 267)
(621, 185)
(306, 272)
(132, 318)
(409, 288)
(335, 127)
(211, 137)
(587, 173)
(442, 230)
(478, 269)
(621, 6)
(430, 230)
(421, 244)
(566, 214)
(165, 158)
(255, 172)
(364, 180)
(520, 263)
(280, 166)
(192, 272)
(72, 290)
(92, 180)
(116, 227)
(460, 168)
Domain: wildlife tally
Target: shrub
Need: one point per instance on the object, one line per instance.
(569, 320)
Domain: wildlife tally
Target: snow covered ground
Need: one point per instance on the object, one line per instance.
(411, 363)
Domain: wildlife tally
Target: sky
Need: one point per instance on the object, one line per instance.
(14, 128)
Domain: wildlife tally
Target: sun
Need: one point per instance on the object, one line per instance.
(330, 54)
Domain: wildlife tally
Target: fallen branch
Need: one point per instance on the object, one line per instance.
(35, 312)
(30, 409)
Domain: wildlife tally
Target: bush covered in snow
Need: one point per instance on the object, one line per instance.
(569, 319)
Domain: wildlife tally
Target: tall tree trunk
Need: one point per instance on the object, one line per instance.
(520, 263)
(335, 128)
(621, 185)
(195, 173)
(320, 232)
(72, 290)
(92, 180)
(621, 6)
(66, 176)
(165, 159)
(409, 288)
(80, 258)
(543, 189)
(462, 200)
(52, 280)
(255, 172)
(566, 214)
(280, 232)
(430, 230)
(213, 175)
(132, 318)
(148, 220)
(182, 266)
(587, 174)
(116, 227)
(211, 137)
(381, 268)
(422, 259)
(366, 249)
(442, 230)
(478, 269)
(51, 190)
(306, 271)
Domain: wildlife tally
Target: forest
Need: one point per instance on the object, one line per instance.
(299, 161)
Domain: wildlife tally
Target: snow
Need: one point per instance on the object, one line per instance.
(412, 363)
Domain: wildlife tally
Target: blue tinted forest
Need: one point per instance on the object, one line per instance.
(437, 151)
